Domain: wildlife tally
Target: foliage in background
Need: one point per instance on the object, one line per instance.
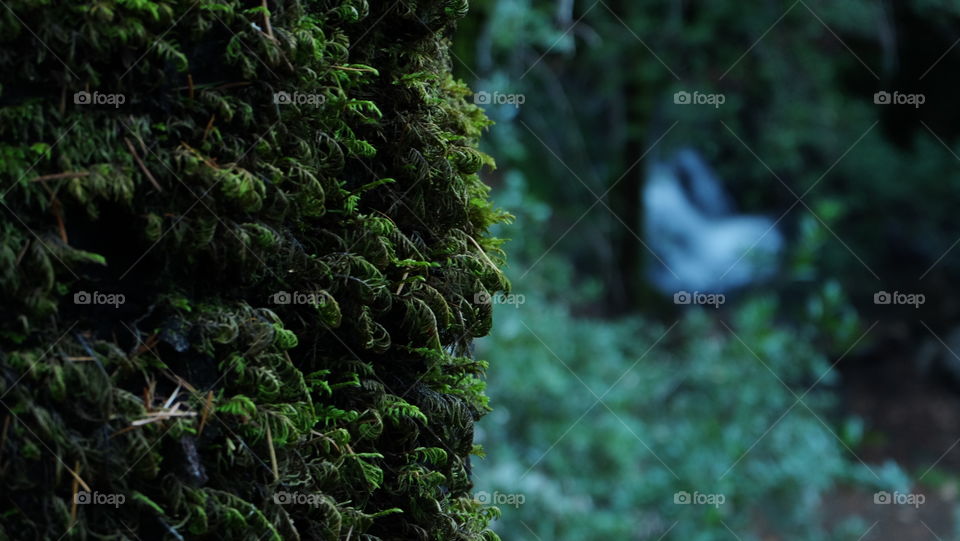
(686, 406)
(598, 80)
(682, 418)
(299, 274)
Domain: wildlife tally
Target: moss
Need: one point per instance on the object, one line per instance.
(238, 256)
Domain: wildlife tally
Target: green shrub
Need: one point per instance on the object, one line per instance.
(685, 407)
(693, 400)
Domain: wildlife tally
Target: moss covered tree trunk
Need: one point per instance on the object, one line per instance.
(240, 249)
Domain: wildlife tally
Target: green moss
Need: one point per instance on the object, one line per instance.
(297, 271)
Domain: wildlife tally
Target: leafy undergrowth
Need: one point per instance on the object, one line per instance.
(611, 423)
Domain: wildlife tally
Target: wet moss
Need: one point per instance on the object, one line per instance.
(239, 253)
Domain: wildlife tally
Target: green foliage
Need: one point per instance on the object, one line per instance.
(685, 395)
(288, 201)
(799, 81)
(686, 406)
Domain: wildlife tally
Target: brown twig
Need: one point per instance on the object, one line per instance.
(266, 20)
(349, 68)
(146, 345)
(273, 454)
(483, 254)
(190, 85)
(76, 476)
(143, 147)
(148, 395)
(206, 412)
(206, 131)
(57, 209)
(177, 379)
(122, 430)
(57, 176)
(75, 488)
(209, 161)
(143, 166)
(402, 283)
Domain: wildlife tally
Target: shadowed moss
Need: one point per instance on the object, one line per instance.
(239, 256)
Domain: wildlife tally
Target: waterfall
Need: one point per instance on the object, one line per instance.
(692, 226)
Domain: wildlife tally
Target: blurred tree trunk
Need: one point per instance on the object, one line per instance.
(632, 293)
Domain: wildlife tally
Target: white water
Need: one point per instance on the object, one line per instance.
(692, 226)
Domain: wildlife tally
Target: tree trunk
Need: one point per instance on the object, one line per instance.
(242, 252)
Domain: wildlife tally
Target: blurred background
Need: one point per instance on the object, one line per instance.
(733, 312)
